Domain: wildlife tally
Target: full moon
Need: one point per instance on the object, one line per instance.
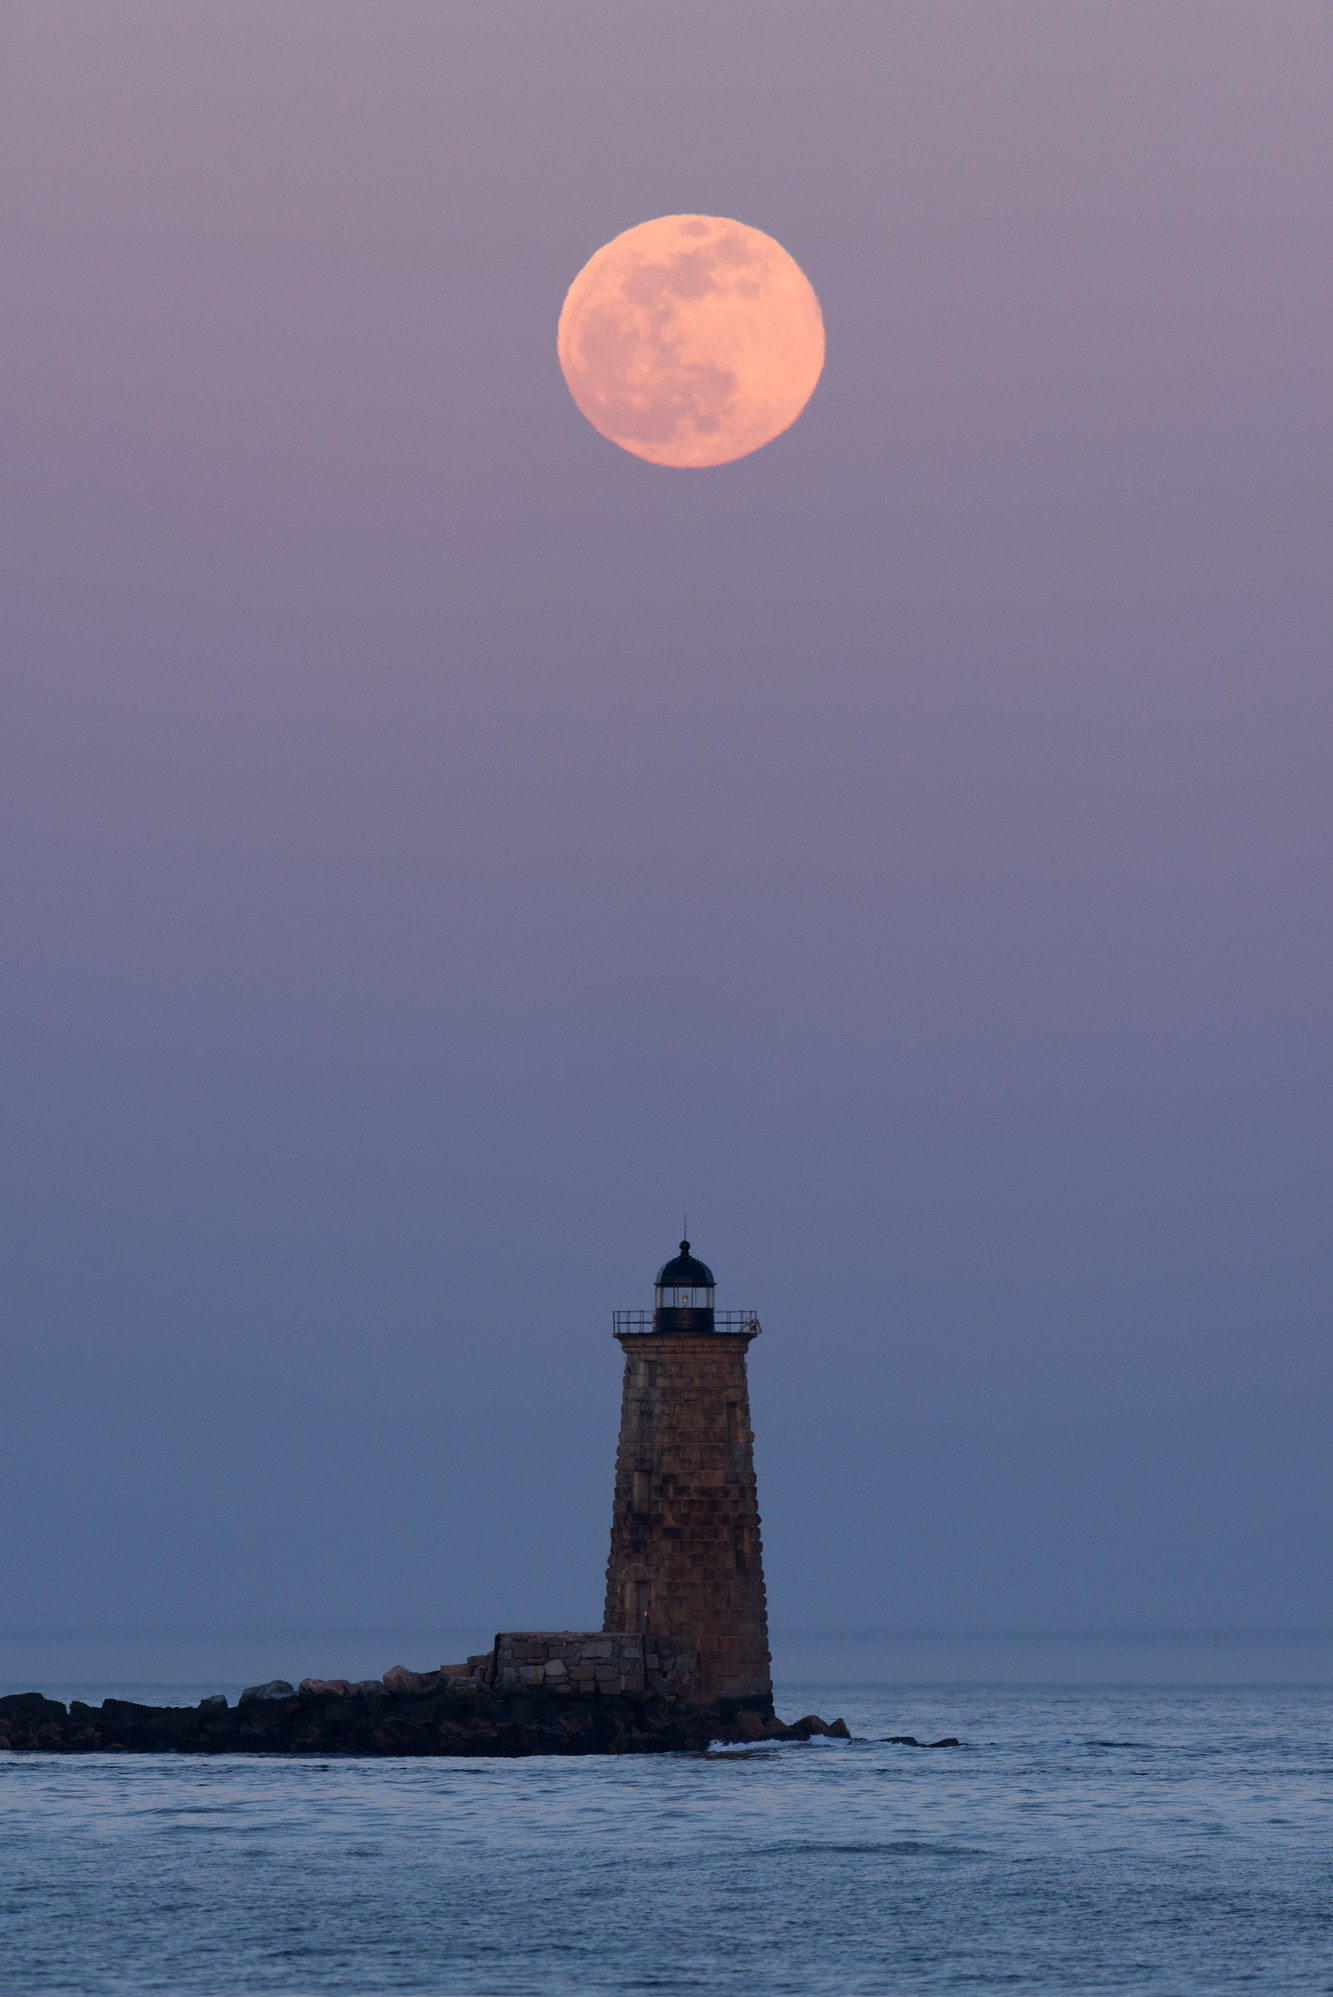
(691, 340)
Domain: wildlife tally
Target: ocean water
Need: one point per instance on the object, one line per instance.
(1081, 1840)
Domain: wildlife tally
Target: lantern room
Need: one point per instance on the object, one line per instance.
(683, 1296)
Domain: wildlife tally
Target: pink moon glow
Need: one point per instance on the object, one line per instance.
(691, 340)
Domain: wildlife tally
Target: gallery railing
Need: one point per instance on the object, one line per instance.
(730, 1324)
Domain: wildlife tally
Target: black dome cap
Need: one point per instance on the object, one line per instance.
(683, 1272)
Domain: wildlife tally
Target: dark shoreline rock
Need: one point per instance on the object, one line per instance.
(448, 1719)
(910, 1740)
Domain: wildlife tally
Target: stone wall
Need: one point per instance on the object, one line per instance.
(575, 1664)
(686, 1566)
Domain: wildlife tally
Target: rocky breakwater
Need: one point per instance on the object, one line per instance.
(453, 1711)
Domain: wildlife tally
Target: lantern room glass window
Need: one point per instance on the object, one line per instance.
(684, 1296)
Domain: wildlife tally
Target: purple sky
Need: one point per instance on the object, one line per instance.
(440, 847)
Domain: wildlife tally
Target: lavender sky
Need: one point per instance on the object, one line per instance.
(439, 847)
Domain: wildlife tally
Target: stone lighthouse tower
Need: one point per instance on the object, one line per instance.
(685, 1570)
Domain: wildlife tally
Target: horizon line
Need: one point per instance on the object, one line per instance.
(1138, 1632)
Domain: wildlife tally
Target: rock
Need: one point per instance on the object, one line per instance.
(326, 1688)
(399, 1679)
(277, 1688)
(830, 1729)
(749, 1726)
(910, 1740)
(31, 1705)
(472, 1720)
(216, 1702)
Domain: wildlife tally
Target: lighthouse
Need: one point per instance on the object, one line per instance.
(685, 1573)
